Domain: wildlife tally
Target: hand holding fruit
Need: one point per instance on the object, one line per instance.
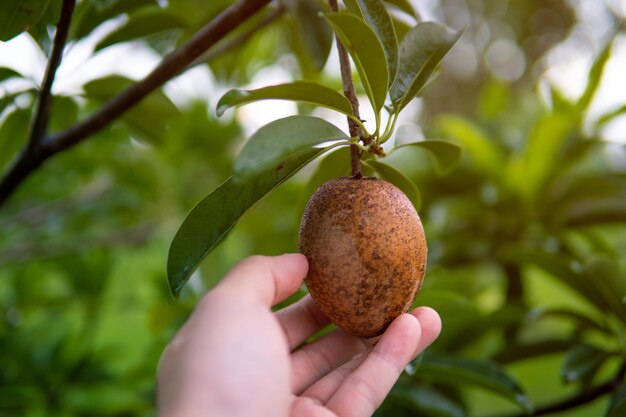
(235, 357)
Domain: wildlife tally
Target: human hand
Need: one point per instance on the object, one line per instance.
(235, 357)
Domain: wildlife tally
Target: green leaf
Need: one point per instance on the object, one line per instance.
(17, 16)
(375, 14)
(482, 149)
(268, 147)
(421, 50)
(297, 91)
(608, 117)
(13, 135)
(64, 113)
(148, 120)
(426, 401)
(314, 31)
(88, 16)
(486, 375)
(617, 407)
(405, 6)
(595, 76)
(141, 23)
(216, 215)
(447, 155)
(514, 352)
(367, 53)
(545, 145)
(398, 179)
(590, 200)
(8, 73)
(582, 361)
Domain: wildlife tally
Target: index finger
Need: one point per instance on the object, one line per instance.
(267, 279)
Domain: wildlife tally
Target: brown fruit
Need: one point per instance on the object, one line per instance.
(366, 250)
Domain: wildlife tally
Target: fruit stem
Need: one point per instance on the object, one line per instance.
(350, 93)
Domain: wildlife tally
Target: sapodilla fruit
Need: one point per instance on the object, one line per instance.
(367, 253)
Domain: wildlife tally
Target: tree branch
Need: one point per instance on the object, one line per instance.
(580, 398)
(350, 93)
(42, 115)
(171, 66)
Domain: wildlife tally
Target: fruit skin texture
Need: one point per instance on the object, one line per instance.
(367, 253)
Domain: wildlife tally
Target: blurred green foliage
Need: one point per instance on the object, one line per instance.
(527, 236)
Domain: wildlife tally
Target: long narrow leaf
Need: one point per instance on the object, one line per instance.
(446, 154)
(486, 375)
(297, 91)
(398, 179)
(210, 221)
(272, 144)
(375, 14)
(367, 53)
(421, 50)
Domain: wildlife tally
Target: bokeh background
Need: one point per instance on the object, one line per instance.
(527, 235)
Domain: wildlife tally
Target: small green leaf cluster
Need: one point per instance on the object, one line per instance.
(392, 73)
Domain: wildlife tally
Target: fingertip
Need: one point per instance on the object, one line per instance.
(403, 334)
(431, 325)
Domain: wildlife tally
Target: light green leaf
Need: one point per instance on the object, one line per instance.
(216, 215)
(421, 50)
(314, 31)
(272, 144)
(427, 401)
(13, 135)
(582, 361)
(367, 53)
(595, 76)
(608, 117)
(375, 14)
(486, 375)
(17, 16)
(544, 146)
(405, 6)
(446, 154)
(483, 150)
(297, 91)
(141, 23)
(149, 120)
(617, 408)
(398, 179)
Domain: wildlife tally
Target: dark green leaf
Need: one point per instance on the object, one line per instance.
(214, 217)
(297, 91)
(482, 149)
(149, 119)
(486, 375)
(17, 16)
(617, 408)
(375, 14)
(13, 135)
(334, 165)
(595, 76)
(367, 53)
(446, 154)
(271, 145)
(144, 22)
(7, 73)
(421, 50)
(88, 16)
(64, 113)
(314, 31)
(581, 361)
(427, 401)
(398, 179)
(591, 200)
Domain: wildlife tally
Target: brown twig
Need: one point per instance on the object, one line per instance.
(42, 115)
(172, 65)
(350, 93)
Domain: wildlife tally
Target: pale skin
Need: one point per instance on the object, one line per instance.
(235, 357)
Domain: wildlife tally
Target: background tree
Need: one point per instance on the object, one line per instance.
(526, 234)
